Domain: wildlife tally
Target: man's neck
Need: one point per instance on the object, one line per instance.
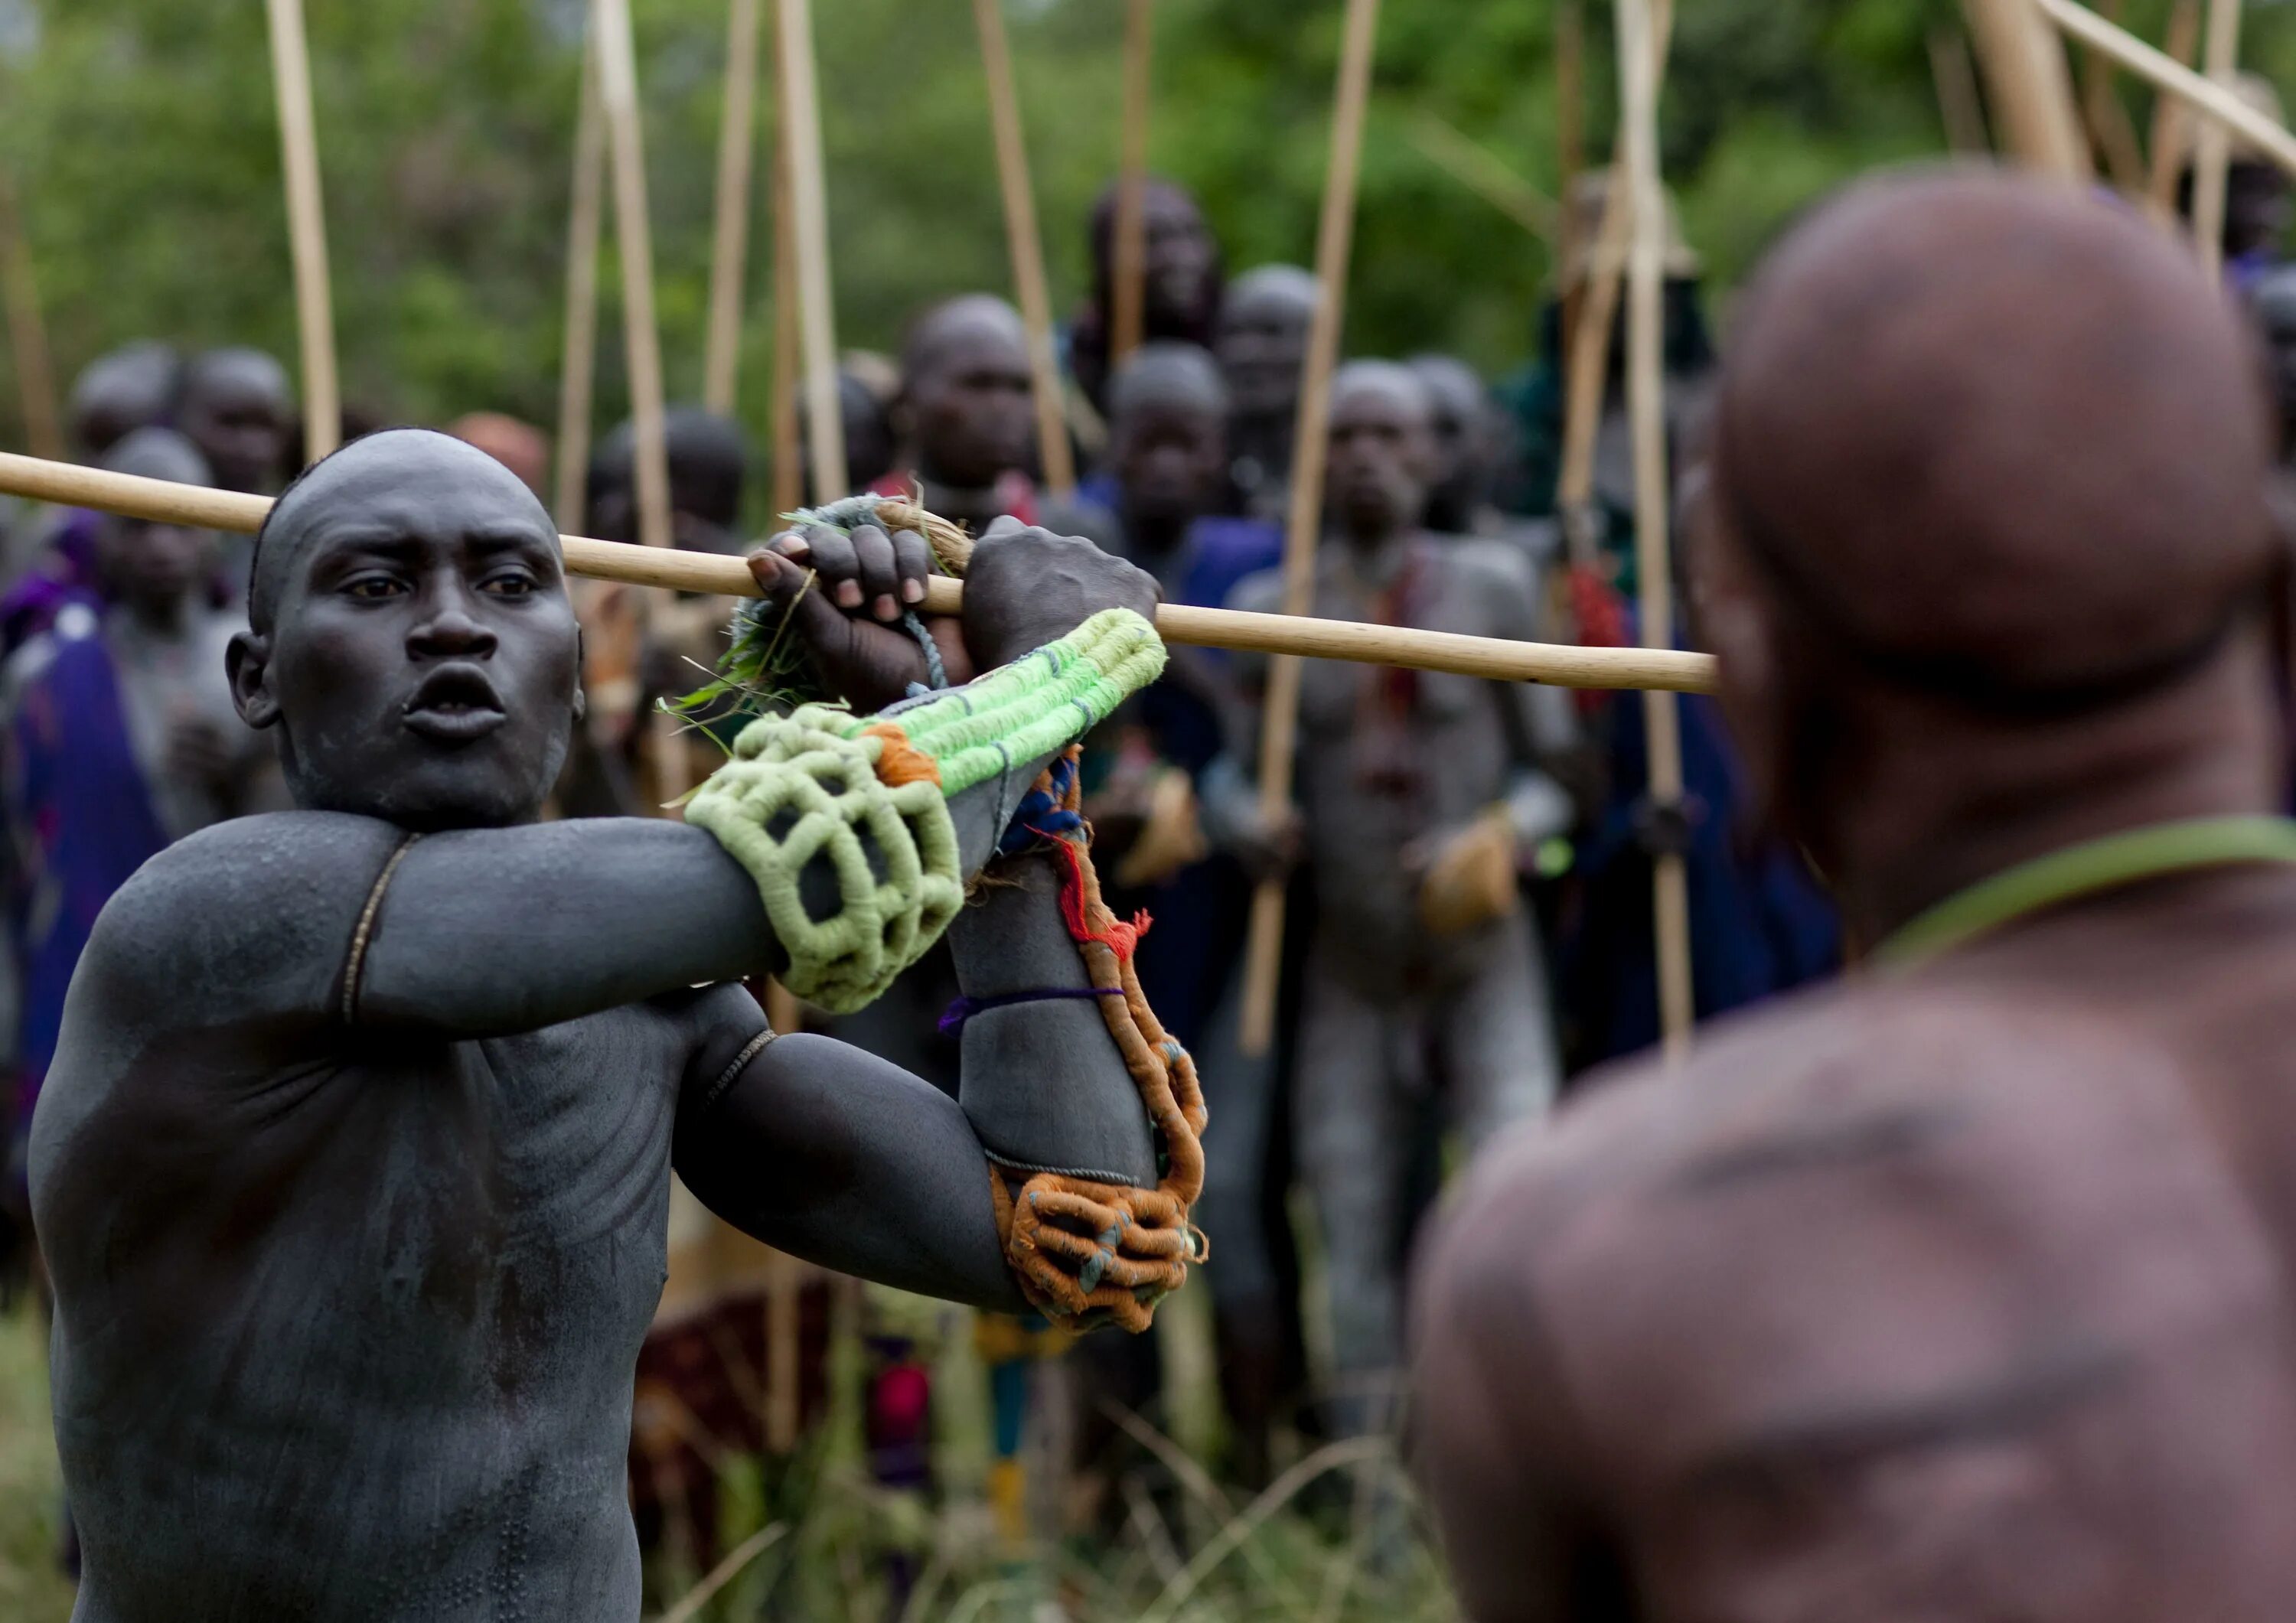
(1929, 821)
(971, 505)
(160, 622)
(1152, 540)
(1376, 559)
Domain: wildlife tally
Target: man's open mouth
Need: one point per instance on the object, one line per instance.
(454, 704)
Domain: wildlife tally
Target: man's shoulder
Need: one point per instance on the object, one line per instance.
(1482, 564)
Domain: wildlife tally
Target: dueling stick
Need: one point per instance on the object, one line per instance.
(28, 335)
(1128, 316)
(2218, 107)
(2032, 90)
(1027, 247)
(1497, 659)
(2171, 118)
(1486, 174)
(578, 369)
(729, 251)
(617, 84)
(2109, 124)
(2212, 151)
(1280, 712)
(1653, 554)
(307, 229)
(809, 224)
(1955, 76)
(788, 477)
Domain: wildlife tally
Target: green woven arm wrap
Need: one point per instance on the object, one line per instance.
(825, 785)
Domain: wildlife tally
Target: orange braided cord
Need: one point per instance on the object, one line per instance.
(1087, 1251)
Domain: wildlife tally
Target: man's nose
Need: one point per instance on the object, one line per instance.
(451, 631)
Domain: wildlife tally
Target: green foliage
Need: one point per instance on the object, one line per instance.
(143, 135)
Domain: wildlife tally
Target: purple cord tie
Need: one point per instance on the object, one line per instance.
(964, 1008)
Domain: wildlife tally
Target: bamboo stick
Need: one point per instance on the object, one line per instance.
(729, 251)
(1653, 555)
(1027, 247)
(2212, 150)
(2031, 88)
(306, 228)
(2172, 120)
(1128, 317)
(1959, 110)
(788, 476)
(28, 333)
(69, 485)
(809, 228)
(578, 372)
(1486, 174)
(1280, 712)
(2218, 107)
(2109, 124)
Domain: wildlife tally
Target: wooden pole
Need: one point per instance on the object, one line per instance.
(2109, 124)
(2218, 107)
(2171, 119)
(1280, 712)
(28, 333)
(810, 226)
(729, 252)
(1494, 659)
(579, 370)
(1486, 174)
(2031, 88)
(1027, 248)
(788, 477)
(2212, 149)
(306, 228)
(1959, 108)
(1129, 319)
(1653, 556)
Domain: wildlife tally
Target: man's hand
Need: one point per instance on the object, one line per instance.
(1027, 586)
(1468, 878)
(845, 596)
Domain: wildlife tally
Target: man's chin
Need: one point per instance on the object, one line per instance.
(428, 796)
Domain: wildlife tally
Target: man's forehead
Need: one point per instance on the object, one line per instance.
(423, 486)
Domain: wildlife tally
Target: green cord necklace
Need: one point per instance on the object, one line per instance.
(2084, 870)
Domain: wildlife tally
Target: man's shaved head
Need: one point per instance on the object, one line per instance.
(1166, 373)
(126, 389)
(966, 403)
(1992, 435)
(967, 317)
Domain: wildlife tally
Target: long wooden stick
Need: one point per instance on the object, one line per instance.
(2109, 124)
(306, 228)
(825, 421)
(69, 485)
(617, 84)
(2212, 150)
(1280, 712)
(1027, 247)
(1955, 79)
(788, 476)
(2218, 107)
(28, 333)
(2032, 90)
(729, 251)
(2172, 119)
(578, 372)
(1128, 317)
(1653, 554)
(1486, 174)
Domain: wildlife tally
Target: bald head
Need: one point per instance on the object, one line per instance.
(238, 408)
(159, 454)
(1997, 439)
(121, 391)
(966, 392)
(1164, 372)
(1262, 342)
(967, 321)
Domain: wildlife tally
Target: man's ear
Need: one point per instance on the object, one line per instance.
(248, 663)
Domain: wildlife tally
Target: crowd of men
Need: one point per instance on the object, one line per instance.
(1469, 864)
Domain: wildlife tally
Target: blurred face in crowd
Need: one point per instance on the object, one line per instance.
(1381, 451)
(1179, 258)
(1263, 339)
(1170, 454)
(237, 409)
(968, 395)
(2255, 207)
(2276, 312)
(1460, 426)
(151, 569)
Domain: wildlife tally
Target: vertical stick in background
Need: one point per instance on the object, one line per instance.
(1280, 714)
(1653, 561)
(809, 223)
(2212, 147)
(1129, 318)
(729, 252)
(1028, 247)
(2109, 124)
(788, 477)
(307, 229)
(579, 369)
(1955, 79)
(28, 335)
(2031, 88)
(2171, 120)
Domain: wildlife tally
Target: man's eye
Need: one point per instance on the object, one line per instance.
(374, 587)
(514, 583)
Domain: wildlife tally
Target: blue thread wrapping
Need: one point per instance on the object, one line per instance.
(964, 1008)
(1041, 815)
(936, 673)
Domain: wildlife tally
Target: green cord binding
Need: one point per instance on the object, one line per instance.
(2084, 870)
(808, 787)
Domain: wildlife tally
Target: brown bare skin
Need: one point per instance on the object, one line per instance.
(1963, 1292)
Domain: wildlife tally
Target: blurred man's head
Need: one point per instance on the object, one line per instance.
(1168, 434)
(1263, 339)
(238, 408)
(2273, 299)
(520, 446)
(1466, 441)
(966, 393)
(1180, 285)
(410, 637)
(129, 389)
(2001, 521)
(709, 463)
(152, 569)
(1382, 450)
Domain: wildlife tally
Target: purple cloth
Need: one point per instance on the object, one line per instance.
(64, 575)
(80, 819)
